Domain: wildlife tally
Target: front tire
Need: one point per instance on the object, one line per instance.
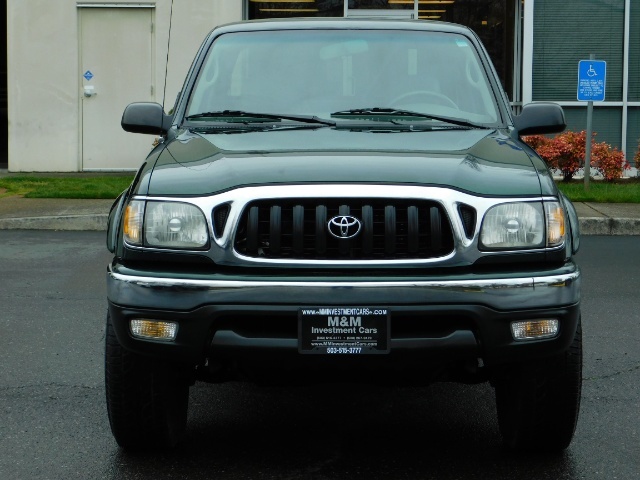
(147, 400)
(538, 402)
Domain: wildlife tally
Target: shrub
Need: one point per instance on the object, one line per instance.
(536, 141)
(610, 162)
(566, 153)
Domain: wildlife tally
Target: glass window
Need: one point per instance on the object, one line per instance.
(607, 123)
(567, 32)
(634, 52)
(301, 8)
(382, 4)
(633, 135)
(319, 8)
(492, 20)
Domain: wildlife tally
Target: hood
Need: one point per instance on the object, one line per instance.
(482, 162)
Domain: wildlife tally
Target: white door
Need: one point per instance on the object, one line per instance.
(116, 48)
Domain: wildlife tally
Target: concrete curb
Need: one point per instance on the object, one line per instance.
(97, 222)
(609, 226)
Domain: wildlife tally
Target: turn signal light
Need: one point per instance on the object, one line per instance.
(154, 329)
(133, 218)
(535, 329)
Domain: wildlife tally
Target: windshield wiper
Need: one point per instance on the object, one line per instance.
(248, 117)
(237, 127)
(393, 112)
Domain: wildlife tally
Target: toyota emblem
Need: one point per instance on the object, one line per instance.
(344, 226)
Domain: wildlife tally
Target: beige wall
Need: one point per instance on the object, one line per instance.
(44, 83)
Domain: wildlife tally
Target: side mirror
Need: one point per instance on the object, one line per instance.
(540, 119)
(145, 117)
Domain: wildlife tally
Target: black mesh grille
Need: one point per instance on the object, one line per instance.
(299, 229)
(468, 217)
(220, 214)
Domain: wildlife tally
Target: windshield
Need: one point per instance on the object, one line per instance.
(317, 73)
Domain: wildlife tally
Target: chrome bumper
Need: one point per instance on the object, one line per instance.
(136, 289)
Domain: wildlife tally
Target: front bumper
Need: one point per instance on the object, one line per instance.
(433, 319)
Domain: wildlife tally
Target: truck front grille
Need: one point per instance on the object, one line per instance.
(389, 229)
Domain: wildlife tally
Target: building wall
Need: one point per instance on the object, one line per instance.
(43, 80)
(45, 88)
(3, 90)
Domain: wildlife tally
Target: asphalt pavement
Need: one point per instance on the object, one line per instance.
(18, 213)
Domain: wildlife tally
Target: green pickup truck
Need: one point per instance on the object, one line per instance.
(343, 200)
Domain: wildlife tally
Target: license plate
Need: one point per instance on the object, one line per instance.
(343, 330)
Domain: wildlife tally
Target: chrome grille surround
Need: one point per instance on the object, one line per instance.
(464, 250)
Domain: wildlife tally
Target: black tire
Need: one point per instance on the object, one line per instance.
(147, 401)
(538, 402)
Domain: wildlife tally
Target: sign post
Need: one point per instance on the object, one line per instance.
(592, 79)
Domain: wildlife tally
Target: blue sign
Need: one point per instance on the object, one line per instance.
(88, 75)
(592, 79)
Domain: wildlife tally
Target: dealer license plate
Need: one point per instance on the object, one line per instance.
(343, 330)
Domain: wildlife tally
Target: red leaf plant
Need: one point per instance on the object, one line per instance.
(610, 162)
(566, 153)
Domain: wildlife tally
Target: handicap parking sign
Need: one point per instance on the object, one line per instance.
(592, 76)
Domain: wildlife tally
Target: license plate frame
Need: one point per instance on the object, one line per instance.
(344, 330)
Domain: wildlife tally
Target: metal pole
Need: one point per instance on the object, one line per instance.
(587, 150)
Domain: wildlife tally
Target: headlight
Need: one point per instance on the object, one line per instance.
(165, 225)
(521, 225)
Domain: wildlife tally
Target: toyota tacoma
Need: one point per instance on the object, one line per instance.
(341, 200)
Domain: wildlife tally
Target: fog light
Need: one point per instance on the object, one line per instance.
(154, 329)
(535, 329)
